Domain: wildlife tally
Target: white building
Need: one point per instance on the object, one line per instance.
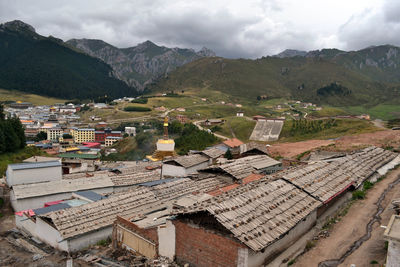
(34, 172)
(131, 131)
(34, 196)
(185, 165)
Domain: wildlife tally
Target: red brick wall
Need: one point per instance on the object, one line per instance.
(200, 247)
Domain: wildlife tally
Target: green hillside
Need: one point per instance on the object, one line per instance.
(292, 78)
(46, 66)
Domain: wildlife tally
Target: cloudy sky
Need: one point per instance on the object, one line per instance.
(231, 28)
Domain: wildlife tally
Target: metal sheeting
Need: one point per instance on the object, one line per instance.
(62, 186)
(188, 161)
(134, 203)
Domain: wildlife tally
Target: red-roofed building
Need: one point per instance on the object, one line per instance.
(91, 144)
(232, 143)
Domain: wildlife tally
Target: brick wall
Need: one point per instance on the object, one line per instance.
(200, 247)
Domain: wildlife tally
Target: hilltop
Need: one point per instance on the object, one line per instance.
(330, 76)
(140, 65)
(47, 66)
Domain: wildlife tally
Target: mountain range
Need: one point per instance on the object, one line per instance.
(84, 68)
(140, 65)
(369, 76)
(47, 66)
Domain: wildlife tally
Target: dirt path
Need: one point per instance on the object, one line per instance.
(345, 143)
(290, 150)
(352, 228)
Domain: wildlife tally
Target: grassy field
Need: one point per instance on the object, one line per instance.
(239, 127)
(384, 112)
(344, 127)
(328, 111)
(13, 95)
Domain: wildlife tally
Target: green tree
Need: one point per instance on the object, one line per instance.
(41, 136)
(228, 154)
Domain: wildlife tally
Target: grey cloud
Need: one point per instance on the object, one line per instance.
(189, 24)
(372, 27)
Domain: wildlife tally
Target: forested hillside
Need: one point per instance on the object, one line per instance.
(45, 65)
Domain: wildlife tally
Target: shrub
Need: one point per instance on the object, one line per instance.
(140, 100)
(291, 262)
(310, 244)
(358, 194)
(138, 109)
(368, 185)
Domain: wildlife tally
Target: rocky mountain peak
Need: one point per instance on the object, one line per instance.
(206, 52)
(17, 25)
(291, 53)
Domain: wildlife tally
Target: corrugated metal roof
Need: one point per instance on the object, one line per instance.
(243, 167)
(258, 213)
(158, 182)
(90, 195)
(188, 161)
(62, 186)
(51, 208)
(131, 204)
(35, 165)
(325, 180)
(213, 152)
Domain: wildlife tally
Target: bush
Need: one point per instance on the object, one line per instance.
(140, 100)
(358, 194)
(310, 244)
(368, 185)
(138, 109)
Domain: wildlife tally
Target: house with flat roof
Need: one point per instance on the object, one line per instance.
(33, 172)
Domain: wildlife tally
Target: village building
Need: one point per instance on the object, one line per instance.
(210, 122)
(100, 136)
(53, 134)
(130, 131)
(83, 135)
(232, 143)
(239, 114)
(111, 140)
(35, 195)
(184, 165)
(75, 228)
(182, 118)
(33, 172)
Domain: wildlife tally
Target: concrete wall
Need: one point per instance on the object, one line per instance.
(35, 202)
(29, 176)
(173, 170)
(260, 258)
(166, 240)
(200, 247)
(194, 169)
(25, 224)
(50, 235)
(89, 239)
(393, 255)
(328, 210)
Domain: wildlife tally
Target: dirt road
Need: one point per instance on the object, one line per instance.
(352, 227)
(345, 143)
